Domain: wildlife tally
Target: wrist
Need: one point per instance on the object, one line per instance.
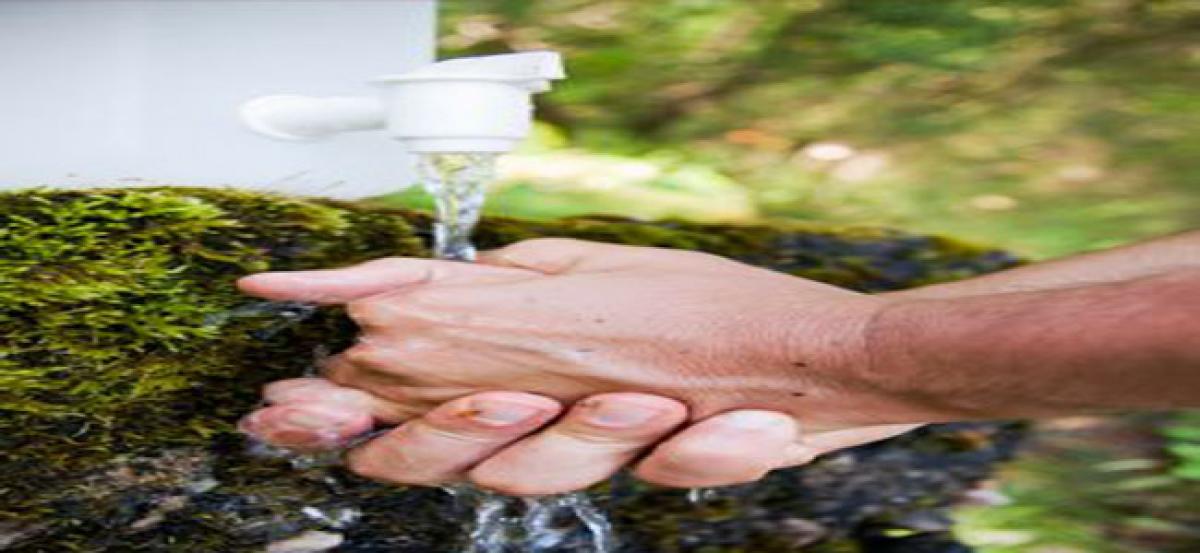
(831, 359)
(902, 360)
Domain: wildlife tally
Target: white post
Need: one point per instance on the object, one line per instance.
(131, 92)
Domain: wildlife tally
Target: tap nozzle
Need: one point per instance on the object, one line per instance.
(476, 104)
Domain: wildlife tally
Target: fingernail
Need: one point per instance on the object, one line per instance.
(619, 414)
(754, 420)
(501, 413)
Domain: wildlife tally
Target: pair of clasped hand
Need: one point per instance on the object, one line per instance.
(553, 363)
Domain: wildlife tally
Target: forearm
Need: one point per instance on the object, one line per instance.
(1108, 346)
(1155, 257)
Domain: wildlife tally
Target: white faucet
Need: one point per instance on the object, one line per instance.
(476, 104)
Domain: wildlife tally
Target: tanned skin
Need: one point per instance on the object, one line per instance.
(709, 371)
(1112, 330)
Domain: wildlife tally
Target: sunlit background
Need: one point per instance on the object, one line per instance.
(1047, 127)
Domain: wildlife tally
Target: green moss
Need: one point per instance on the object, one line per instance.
(110, 305)
(122, 336)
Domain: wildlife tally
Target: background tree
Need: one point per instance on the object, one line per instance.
(1045, 126)
(1048, 126)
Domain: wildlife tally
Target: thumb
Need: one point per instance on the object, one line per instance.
(332, 286)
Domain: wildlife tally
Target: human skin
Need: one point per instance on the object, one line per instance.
(566, 320)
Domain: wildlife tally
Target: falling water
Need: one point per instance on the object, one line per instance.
(458, 183)
(564, 522)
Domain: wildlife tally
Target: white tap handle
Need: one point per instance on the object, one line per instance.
(521, 66)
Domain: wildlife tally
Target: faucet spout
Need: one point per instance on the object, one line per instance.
(477, 104)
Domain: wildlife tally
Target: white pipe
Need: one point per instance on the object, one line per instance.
(305, 118)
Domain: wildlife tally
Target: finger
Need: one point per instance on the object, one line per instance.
(600, 435)
(440, 446)
(561, 255)
(811, 446)
(334, 286)
(405, 390)
(323, 391)
(544, 255)
(730, 448)
(316, 414)
(369, 367)
(307, 426)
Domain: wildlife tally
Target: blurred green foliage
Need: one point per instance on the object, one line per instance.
(1184, 437)
(1095, 485)
(1045, 126)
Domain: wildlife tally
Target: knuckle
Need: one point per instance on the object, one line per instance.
(366, 356)
(546, 255)
(377, 311)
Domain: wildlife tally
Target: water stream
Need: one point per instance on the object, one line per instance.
(458, 183)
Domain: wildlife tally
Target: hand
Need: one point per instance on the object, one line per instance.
(492, 439)
(719, 450)
(568, 319)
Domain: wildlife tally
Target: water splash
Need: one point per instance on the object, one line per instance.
(699, 496)
(565, 522)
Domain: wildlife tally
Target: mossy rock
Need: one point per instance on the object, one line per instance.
(126, 356)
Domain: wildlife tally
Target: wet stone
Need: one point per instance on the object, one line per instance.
(310, 541)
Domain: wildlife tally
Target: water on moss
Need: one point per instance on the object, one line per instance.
(121, 375)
